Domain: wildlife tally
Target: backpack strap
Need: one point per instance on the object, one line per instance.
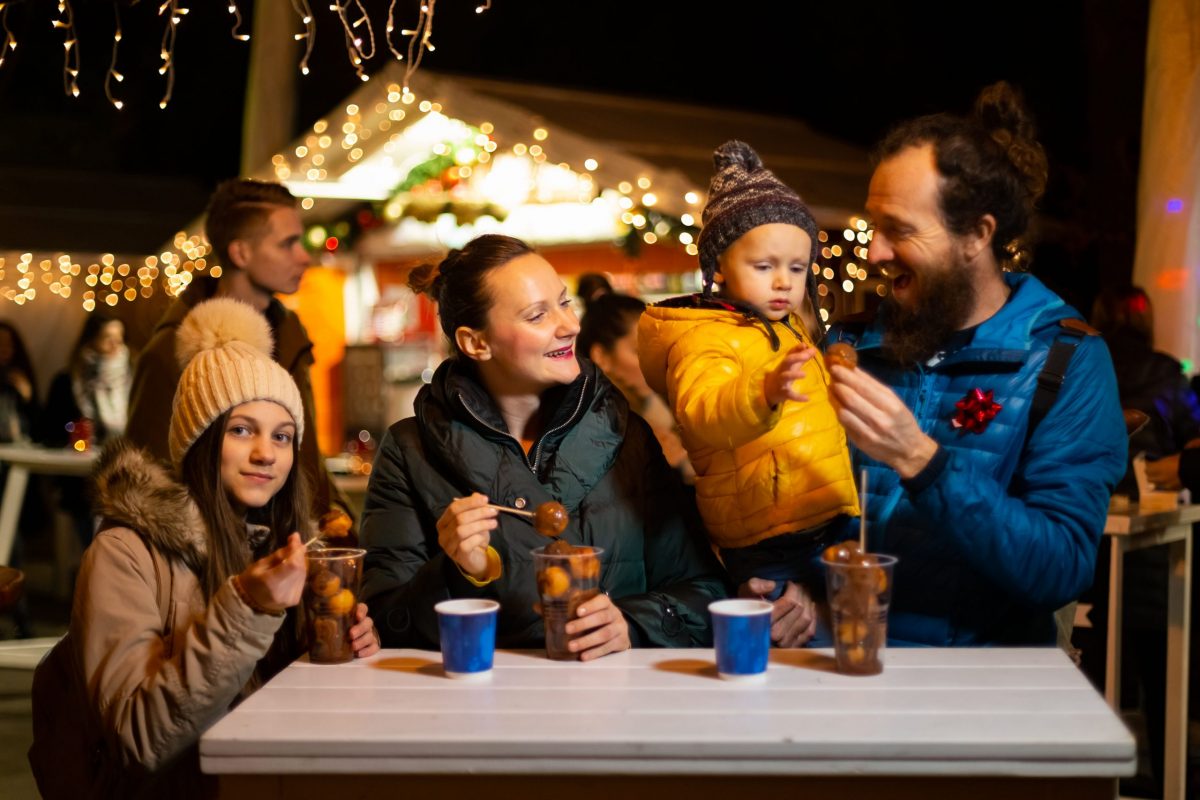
(1054, 370)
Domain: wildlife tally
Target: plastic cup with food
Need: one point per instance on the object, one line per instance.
(330, 598)
(567, 577)
(859, 587)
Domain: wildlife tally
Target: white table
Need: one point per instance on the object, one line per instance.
(25, 459)
(659, 723)
(1135, 530)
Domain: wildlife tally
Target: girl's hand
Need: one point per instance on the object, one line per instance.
(363, 637)
(464, 532)
(275, 582)
(779, 385)
(609, 629)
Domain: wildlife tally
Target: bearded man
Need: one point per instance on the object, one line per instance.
(984, 410)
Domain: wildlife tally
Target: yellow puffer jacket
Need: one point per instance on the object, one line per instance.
(759, 471)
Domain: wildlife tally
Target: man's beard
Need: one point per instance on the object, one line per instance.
(916, 334)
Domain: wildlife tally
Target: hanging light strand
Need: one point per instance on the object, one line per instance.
(304, 11)
(10, 41)
(420, 39)
(487, 4)
(66, 23)
(236, 13)
(360, 48)
(391, 26)
(167, 54)
(112, 65)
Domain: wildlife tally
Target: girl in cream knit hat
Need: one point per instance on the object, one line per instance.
(184, 602)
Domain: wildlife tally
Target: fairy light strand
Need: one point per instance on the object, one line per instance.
(359, 35)
(304, 11)
(66, 23)
(236, 13)
(419, 39)
(358, 47)
(10, 41)
(112, 65)
(391, 26)
(167, 53)
(108, 279)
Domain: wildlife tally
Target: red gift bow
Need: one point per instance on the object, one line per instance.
(975, 411)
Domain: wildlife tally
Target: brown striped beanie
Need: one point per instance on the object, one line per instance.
(743, 195)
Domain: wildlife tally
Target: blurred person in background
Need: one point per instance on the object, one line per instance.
(591, 287)
(88, 402)
(18, 395)
(95, 386)
(1153, 383)
(608, 336)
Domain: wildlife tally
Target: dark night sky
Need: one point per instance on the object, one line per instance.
(849, 70)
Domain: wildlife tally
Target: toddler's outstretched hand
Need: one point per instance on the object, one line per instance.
(779, 383)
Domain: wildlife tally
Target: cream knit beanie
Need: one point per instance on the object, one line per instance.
(224, 347)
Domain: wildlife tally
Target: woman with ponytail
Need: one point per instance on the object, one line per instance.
(515, 417)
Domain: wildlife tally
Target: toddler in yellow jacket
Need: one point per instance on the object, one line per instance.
(747, 384)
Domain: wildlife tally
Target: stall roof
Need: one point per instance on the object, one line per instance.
(671, 144)
(830, 174)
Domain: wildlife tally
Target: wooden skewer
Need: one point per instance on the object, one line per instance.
(517, 511)
(315, 542)
(862, 507)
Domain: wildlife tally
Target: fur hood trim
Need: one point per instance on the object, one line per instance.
(133, 489)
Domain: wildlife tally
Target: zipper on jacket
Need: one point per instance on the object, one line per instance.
(538, 448)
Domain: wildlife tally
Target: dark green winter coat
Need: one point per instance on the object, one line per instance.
(597, 458)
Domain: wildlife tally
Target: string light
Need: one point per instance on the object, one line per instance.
(391, 26)
(419, 38)
(107, 281)
(112, 65)
(357, 48)
(167, 52)
(310, 31)
(359, 35)
(70, 48)
(10, 41)
(236, 13)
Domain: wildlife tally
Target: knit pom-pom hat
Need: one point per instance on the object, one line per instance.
(743, 195)
(224, 347)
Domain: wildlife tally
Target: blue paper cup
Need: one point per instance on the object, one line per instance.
(742, 638)
(468, 632)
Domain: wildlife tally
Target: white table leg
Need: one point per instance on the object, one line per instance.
(1178, 629)
(1112, 649)
(10, 509)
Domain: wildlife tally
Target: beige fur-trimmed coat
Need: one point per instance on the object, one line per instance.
(160, 665)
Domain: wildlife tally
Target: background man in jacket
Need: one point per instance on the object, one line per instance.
(257, 239)
(993, 493)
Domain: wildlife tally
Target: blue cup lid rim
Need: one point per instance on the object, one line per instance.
(751, 607)
(484, 606)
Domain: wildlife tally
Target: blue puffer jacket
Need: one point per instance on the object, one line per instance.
(1008, 530)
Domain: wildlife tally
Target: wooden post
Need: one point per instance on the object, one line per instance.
(1168, 217)
(269, 118)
